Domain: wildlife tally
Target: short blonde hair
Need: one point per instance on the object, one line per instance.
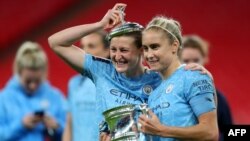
(30, 55)
(171, 27)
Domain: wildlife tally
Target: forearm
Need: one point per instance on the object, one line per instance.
(69, 36)
(68, 130)
(206, 129)
(197, 132)
(62, 44)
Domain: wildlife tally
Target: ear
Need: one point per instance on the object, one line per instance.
(175, 47)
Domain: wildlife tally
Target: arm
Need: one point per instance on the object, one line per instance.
(203, 70)
(62, 42)
(10, 130)
(206, 129)
(67, 134)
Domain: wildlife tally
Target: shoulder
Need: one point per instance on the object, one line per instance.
(194, 76)
(97, 59)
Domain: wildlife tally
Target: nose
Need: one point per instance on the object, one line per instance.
(149, 55)
(118, 56)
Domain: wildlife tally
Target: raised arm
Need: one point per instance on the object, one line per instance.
(62, 42)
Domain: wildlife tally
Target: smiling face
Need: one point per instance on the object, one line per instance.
(124, 53)
(158, 51)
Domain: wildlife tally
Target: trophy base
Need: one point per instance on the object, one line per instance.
(128, 136)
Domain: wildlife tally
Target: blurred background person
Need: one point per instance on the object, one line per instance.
(196, 50)
(81, 120)
(31, 109)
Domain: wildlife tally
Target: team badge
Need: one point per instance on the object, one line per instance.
(169, 88)
(147, 89)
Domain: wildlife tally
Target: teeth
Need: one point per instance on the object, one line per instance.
(152, 61)
(120, 63)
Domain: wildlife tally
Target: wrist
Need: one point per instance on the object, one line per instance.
(100, 25)
(163, 131)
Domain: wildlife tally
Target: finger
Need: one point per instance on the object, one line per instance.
(103, 137)
(108, 138)
(190, 66)
(116, 19)
(118, 5)
(204, 72)
(150, 112)
(143, 117)
(142, 122)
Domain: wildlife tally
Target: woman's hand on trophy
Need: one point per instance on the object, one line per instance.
(105, 137)
(151, 125)
(112, 18)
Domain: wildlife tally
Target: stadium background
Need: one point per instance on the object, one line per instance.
(224, 23)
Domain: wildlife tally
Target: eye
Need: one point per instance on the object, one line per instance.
(113, 49)
(91, 46)
(145, 48)
(154, 46)
(196, 60)
(185, 61)
(124, 50)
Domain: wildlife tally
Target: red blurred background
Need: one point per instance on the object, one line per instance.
(224, 23)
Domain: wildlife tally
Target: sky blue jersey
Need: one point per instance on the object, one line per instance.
(115, 89)
(15, 103)
(82, 106)
(182, 98)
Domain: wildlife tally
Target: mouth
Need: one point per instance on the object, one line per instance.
(152, 62)
(121, 63)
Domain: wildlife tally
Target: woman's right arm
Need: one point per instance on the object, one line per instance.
(62, 42)
(67, 134)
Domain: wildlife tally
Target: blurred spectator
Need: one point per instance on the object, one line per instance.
(81, 122)
(196, 50)
(30, 108)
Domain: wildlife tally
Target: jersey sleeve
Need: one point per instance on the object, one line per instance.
(95, 67)
(199, 92)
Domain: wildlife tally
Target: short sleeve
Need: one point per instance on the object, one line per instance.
(95, 66)
(200, 90)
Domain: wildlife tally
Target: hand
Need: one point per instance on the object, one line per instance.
(112, 17)
(105, 137)
(198, 67)
(50, 122)
(150, 125)
(30, 121)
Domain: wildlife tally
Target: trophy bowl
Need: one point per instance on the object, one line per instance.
(122, 122)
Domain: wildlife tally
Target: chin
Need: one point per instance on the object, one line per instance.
(121, 70)
(154, 68)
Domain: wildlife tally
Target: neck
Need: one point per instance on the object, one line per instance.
(136, 71)
(170, 69)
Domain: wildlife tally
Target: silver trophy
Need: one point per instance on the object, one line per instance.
(122, 122)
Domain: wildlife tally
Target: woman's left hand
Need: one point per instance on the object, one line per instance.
(198, 67)
(150, 125)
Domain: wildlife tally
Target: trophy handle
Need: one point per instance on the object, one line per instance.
(143, 109)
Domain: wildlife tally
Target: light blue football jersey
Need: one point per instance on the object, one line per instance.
(182, 98)
(115, 89)
(82, 106)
